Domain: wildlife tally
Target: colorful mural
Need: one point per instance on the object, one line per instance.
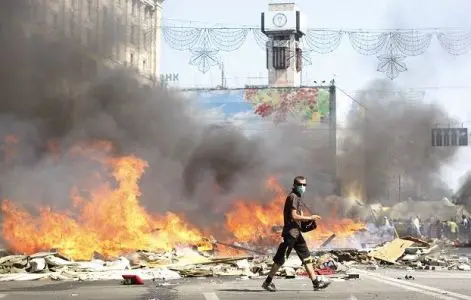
(262, 104)
(307, 104)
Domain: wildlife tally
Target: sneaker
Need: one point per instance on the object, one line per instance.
(320, 284)
(269, 286)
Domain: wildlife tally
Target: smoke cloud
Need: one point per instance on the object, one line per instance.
(463, 195)
(52, 99)
(389, 141)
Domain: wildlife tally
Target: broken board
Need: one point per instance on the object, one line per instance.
(391, 251)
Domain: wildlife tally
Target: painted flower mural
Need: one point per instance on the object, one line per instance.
(308, 104)
(258, 107)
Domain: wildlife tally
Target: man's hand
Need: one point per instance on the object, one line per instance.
(315, 217)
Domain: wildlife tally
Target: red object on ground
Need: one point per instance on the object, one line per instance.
(133, 279)
(325, 271)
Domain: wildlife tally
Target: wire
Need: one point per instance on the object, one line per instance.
(424, 88)
(343, 29)
(351, 97)
(209, 23)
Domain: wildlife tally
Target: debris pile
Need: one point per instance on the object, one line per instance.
(408, 252)
(147, 265)
(54, 266)
(419, 254)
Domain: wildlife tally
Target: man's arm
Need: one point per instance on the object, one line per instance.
(300, 217)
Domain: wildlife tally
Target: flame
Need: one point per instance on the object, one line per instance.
(8, 147)
(251, 222)
(354, 191)
(105, 215)
(108, 221)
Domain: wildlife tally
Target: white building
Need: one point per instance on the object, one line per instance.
(118, 32)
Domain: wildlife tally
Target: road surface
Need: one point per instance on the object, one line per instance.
(381, 284)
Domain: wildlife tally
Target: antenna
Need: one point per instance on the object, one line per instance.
(223, 76)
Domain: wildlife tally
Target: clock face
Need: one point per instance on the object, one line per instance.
(279, 20)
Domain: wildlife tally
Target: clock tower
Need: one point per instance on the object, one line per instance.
(284, 25)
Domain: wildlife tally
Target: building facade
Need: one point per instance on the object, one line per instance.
(111, 32)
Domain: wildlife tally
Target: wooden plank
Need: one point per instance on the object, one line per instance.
(417, 241)
(391, 251)
(327, 241)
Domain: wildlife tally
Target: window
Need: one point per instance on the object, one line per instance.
(118, 51)
(55, 20)
(133, 8)
(144, 67)
(119, 31)
(90, 8)
(145, 41)
(267, 58)
(281, 58)
(281, 38)
(72, 26)
(105, 17)
(146, 15)
(299, 59)
(134, 34)
(131, 59)
(88, 37)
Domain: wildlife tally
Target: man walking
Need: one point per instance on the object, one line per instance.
(292, 238)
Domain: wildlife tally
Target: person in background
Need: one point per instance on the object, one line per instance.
(453, 229)
(387, 228)
(464, 230)
(427, 224)
(436, 230)
(416, 226)
(465, 221)
(293, 239)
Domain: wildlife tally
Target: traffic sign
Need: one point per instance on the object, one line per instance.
(449, 137)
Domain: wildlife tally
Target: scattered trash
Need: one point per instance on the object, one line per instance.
(132, 280)
(463, 260)
(464, 267)
(134, 268)
(352, 276)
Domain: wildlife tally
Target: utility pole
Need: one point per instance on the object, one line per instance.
(333, 125)
(399, 188)
(223, 76)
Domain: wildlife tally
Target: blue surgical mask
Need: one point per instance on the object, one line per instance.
(301, 189)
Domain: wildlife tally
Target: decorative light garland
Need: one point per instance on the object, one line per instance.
(391, 47)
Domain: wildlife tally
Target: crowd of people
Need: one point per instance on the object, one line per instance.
(454, 229)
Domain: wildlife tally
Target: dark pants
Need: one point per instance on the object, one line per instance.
(289, 243)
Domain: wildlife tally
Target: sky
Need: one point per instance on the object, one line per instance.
(444, 78)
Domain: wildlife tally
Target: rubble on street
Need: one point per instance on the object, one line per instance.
(407, 252)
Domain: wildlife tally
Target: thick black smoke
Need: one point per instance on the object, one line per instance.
(389, 141)
(463, 195)
(49, 92)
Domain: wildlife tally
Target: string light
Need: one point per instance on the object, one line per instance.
(391, 46)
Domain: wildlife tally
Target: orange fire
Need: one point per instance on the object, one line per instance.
(353, 190)
(252, 222)
(106, 218)
(8, 147)
(110, 220)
